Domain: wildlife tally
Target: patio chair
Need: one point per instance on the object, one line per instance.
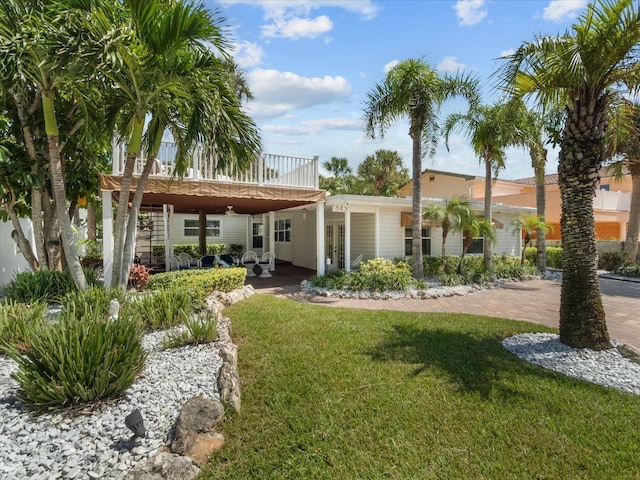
(208, 261)
(249, 260)
(176, 264)
(224, 261)
(265, 264)
(355, 264)
(187, 260)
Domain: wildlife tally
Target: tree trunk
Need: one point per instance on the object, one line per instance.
(416, 244)
(23, 243)
(202, 233)
(59, 192)
(92, 223)
(446, 225)
(119, 228)
(539, 160)
(631, 242)
(488, 261)
(582, 317)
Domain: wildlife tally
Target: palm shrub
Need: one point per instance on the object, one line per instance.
(79, 359)
(94, 301)
(19, 322)
(48, 286)
(381, 274)
(164, 308)
(336, 280)
(198, 328)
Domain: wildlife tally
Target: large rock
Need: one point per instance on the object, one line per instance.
(229, 386)
(165, 466)
(198, 415)
(630, 352)
(199, 446)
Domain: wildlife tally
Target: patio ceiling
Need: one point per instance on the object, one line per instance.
(213, 197)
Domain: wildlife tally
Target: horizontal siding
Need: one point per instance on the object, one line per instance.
(362, 235)
(233, 229)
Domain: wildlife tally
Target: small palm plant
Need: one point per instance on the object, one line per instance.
(529, 225)
(475, 227)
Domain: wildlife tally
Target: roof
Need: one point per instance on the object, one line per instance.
(449, 174)
(551, 179)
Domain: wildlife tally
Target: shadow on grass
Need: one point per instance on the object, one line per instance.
(474, 364)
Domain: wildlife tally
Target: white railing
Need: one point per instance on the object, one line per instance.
(606, 200)
(268, 169)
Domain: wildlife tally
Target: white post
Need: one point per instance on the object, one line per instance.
(320, 267)
(107, 237)
(347, 240)
(167, 211)
(272, 240)
(376, 239)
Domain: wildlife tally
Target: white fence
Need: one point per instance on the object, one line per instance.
(606, 200)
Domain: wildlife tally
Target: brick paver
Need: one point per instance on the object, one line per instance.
(535, 301)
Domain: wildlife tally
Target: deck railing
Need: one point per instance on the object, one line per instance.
(606, 200)
(268, 169)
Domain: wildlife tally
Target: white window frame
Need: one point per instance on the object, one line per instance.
(408, 235)
(282, 230)
(192, 230)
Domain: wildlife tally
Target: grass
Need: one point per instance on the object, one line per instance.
(353, 394)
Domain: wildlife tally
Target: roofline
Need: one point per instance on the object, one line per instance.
(450, 174)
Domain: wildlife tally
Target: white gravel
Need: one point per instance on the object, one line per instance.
(99, 445)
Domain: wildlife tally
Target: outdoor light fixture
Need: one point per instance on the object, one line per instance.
(135, 423)
(304, 213)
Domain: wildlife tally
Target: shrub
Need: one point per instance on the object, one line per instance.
(380, 274)
(554, 257)
(18, 322)
(629, 269)
(79, 359)
(334, 280)
(200, 283)
(94, 301)
(190, 248)
(139, 276)
(200, 328)
(46, 285)
(163, 309)
(610, 261)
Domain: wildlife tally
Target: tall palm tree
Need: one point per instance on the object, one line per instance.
(382, 174)
(528, 225)
(166, 70)
(454, 216)
(580, 71)
(413, 90)
(342, 179)
(624, 141)
(491, 130)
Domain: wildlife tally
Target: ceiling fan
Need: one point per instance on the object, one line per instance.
(230, 211)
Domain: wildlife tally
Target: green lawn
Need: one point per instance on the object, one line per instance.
(349, 394)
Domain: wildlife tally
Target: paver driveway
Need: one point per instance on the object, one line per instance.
(535, 301)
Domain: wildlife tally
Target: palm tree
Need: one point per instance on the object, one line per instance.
(624, 141)
(491, 129)
(579, 72)
(529, 225)
(168, 72)
(453, 217)
(382, 174)
(475, 227)
(413, 89)
(342, 179)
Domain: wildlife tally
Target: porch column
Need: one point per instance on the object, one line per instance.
(347, 240)
(272, 240)
(167, 217)
(107, 237)
(376, 238)
(320, 238)
(623, 230)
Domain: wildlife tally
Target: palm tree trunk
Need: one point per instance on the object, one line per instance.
(631, 241)
(539, 160)
(416, 244)
(582, 317)
(446, 225)
(488, 263)
(58, 190)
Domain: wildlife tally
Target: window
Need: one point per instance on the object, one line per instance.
(257, 230)
(477, 245)
(283, 230)
(426, 241)
(191, 228)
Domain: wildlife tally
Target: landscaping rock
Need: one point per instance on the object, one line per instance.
(198, 415)
(199, 446)
(165, 466)
(630, 352)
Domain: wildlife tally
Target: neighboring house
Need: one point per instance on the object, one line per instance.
(610, 205)
(277, 207)
(11, 259)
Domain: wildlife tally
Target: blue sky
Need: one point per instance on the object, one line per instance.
(311, 63)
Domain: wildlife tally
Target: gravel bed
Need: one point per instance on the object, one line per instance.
(97, 444)
(607, 368)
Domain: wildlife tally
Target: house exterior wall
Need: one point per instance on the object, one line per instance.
(11, 259)
(233, 229)
(440, 185)
(363, 235)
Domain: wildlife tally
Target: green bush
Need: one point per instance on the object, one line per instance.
(190, 248)
(380, 274)
(46, 285)
(200, 328)
(94, 301)
(77, 360)
(200, 283)
(163, 309)
(18, 322)
(629, 269)
(334, 280)
(554, 256)
(610, 261)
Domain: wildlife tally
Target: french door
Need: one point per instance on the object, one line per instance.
(334, 245)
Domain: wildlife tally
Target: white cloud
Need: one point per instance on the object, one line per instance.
(248, 54)
(563, 9)
(277, 92)
(314, 126)
(390, 65)
(294, 28)
(365, 8)
(450, 65)
(507, 53)
(470, 12)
